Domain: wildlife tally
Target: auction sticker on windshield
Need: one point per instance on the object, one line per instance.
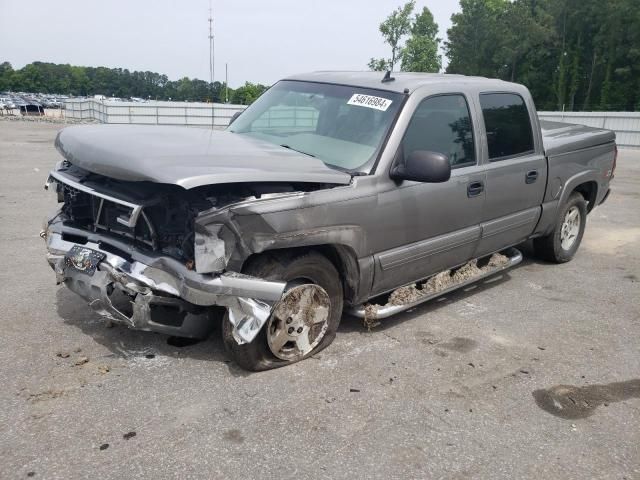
(370, 101)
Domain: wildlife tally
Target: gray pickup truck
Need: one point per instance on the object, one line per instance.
(334, 191)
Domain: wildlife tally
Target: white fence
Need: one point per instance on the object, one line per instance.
(152, 113)
(625, 124)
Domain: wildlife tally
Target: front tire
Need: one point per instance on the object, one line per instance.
(291, 333)
(562, 243)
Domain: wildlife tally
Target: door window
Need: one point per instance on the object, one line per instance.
(507, 123)
(442, 124)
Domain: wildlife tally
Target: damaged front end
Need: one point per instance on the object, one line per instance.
(140, 257)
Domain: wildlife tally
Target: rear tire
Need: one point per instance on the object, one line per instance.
(562, 243)
(295, 269)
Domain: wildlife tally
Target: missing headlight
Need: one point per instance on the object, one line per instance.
(213, 246)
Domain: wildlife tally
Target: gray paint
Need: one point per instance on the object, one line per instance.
(396, 233)
(188, 157)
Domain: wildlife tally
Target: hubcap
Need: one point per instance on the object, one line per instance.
(298, 322)
(570, 228)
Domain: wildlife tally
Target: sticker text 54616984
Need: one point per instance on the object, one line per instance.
(369, 101)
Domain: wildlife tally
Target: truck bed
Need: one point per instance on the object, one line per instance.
(559, 138)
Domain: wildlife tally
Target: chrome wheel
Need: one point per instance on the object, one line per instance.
(570, 228)
(298, 322)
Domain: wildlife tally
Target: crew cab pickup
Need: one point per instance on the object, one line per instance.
(333, 192)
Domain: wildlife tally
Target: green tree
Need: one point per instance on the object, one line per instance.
(570, 53)
(393, 29)
(472, 39)
(248, 93)
(379, 65)
(6, 72)
(420, 53)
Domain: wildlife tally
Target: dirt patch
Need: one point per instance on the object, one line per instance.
(466, 272)
(448, 278)
(370, 319)
(46, 395)
(570, 402)
(498, 260)
(611, 240)
(459, 344)
(233, 435)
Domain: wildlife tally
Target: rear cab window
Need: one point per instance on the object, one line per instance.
(507, 124)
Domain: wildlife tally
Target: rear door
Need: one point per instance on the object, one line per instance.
(516, 170)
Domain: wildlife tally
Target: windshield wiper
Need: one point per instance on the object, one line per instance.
(296, 150)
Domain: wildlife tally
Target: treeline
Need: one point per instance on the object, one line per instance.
(82, 81)
(572, 54)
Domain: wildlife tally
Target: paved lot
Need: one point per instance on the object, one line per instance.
(466, 387)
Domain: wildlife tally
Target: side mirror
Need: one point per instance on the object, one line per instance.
(423, 166)
(234, 116)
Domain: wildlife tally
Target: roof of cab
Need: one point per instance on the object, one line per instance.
(402, 80)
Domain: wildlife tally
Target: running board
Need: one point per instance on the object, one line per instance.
(374, 311)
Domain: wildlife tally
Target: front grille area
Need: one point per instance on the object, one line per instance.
(97, 214)
(155, 218)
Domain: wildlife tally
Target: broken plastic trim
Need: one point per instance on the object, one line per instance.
(248, 316)
(248, 299)
(136, 210)
(161, 274)
(373, 311)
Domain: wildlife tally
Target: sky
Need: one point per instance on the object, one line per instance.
(260, 40)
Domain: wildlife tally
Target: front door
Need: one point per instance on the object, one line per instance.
(434, 225)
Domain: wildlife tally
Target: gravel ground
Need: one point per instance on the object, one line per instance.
(535, 374)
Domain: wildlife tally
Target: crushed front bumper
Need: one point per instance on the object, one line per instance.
(160, 293)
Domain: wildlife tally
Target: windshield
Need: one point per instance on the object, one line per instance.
(340, 125)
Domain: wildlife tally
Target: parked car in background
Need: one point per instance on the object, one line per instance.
(6, 102)
(32, 109)
(331, 191)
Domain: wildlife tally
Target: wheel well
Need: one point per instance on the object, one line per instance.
(341, 256)
(589, 190)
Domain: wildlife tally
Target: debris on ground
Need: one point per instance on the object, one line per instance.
(46, 395)
(81, 361)
(104, 369)
(104, 446)
(62, 354)
(129, 435)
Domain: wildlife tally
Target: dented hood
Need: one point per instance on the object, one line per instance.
(188, 157)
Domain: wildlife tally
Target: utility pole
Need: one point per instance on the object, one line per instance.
(226, 83)
(211, 63)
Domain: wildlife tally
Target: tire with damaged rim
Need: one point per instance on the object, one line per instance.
(306, 319)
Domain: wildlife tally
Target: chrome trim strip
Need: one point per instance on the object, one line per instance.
(59, 177)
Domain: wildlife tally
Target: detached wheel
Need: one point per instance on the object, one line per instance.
(563, 242)
(306, 319)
